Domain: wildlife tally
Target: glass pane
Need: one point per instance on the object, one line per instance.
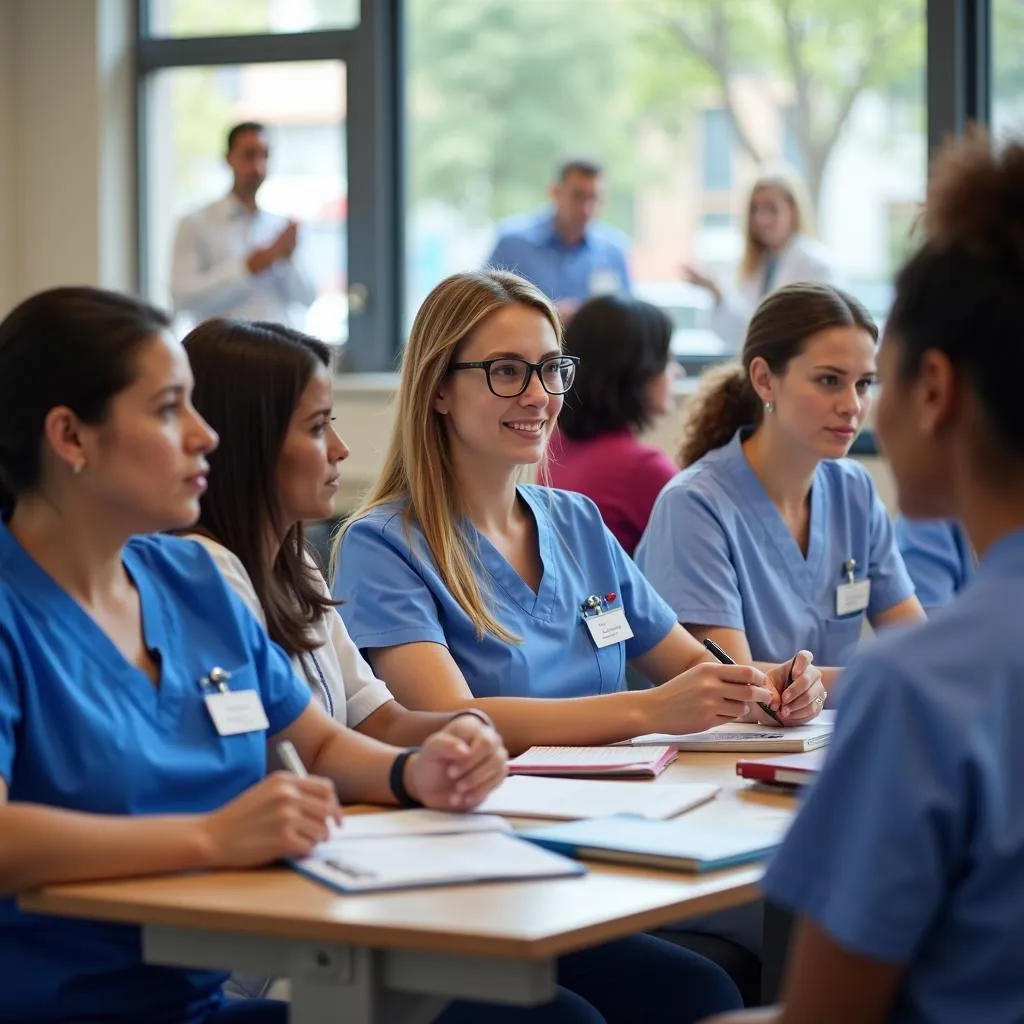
(243, 17)
(189, 112)
(499, 93)
(1008, 66)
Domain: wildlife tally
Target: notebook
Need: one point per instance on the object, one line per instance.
(383, 863)
(677, 845)
(794, 770)
(524, 797)
(747, 738)
(603, 762)
(418, 822)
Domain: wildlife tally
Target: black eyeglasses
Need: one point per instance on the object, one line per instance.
(510, 376)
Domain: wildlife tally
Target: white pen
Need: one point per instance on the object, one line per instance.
(291, 760)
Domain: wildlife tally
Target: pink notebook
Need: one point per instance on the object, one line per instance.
(594, 762)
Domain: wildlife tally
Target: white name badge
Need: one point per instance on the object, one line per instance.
(237, 711)
(604, 282)
(607, 628)
(852, 597)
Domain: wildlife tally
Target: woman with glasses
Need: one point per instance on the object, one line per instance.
(770, 538)
(462, 584)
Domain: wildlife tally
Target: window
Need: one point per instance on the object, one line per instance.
(1008, 66)
(178, 18)
(498, 92)
(303, 105)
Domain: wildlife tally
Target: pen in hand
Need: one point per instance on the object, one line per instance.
(291, 760)
(726, 660)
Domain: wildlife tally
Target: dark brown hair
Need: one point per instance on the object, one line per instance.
(249, 379)
(67, 346)
(962, 292)
(778, 332)
(623, 344)
(588, 166)
(243, 128)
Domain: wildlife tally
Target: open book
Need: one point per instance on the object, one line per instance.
(594, 762)
(749, 738)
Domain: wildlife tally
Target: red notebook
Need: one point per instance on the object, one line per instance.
(793, 770)
(594, 762)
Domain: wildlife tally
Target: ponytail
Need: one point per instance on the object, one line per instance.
(725, 402)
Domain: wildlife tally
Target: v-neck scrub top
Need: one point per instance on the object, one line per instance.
(717, 549)
(83, 729)
(394, 595)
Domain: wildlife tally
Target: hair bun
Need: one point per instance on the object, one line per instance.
(976, 200)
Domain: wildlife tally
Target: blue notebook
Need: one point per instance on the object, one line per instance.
(677, 844)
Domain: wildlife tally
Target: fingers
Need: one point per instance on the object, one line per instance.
(487, 781)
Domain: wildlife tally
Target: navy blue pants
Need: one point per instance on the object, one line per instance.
(639, 980)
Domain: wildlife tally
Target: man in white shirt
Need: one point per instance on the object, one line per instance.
(233, 259)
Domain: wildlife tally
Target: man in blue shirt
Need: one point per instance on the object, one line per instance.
(563, 250)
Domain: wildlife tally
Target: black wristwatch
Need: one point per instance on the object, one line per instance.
(397, 779)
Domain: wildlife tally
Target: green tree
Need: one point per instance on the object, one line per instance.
(830, 52)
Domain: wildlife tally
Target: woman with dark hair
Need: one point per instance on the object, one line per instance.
(137, 694)
(266, 390)
(624, 382)
(770, 538)
(913, 835)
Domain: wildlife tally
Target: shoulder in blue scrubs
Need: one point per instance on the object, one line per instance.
(718, 551)
(938, 557)
(394, 595)
(83, 729)
(908, 849)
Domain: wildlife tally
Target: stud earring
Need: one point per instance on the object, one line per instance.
(769, 407)
(78, 467)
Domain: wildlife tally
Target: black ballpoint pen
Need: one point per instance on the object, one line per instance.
(726, 660)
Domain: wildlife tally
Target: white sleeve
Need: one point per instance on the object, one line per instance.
(200, 290)
(364, 692)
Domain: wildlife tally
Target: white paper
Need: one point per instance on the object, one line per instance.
(420, 822)
(527, 796)
(733, 736)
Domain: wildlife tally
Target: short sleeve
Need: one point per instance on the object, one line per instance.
(932, 558)
(387, 601)
(874, 848)
(648, 615)
(890, 581)
(364, 692)
(685, 555)
(10, 707)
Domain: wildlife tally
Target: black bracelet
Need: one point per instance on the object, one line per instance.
(396, 780)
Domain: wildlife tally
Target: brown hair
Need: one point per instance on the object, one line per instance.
(778, 332)
(418, 466)
(249, 378)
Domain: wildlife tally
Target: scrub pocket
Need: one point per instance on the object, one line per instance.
(842, 636)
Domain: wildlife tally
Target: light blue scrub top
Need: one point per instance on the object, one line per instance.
(719, 552)
(82, 729)
(938, 557)
(530, 246)
(910, 846)
(393, 595)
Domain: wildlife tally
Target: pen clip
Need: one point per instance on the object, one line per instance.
(848, 567)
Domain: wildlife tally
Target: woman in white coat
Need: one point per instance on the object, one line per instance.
(778, 251)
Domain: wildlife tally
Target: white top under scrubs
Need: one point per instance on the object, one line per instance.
(717, 549)
(83, 729)
(909, 848)
(338, 674)
(394, 595)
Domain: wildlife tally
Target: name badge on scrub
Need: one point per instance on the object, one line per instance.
(607, 626)
(853, 595)
(233, 712)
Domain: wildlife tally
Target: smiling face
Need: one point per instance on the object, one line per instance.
(307, 468)
(822, 397)
(483, 426)
(146, 462)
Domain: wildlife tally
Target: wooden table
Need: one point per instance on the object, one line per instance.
(398, 957)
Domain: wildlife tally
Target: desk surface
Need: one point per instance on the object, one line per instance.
(529, 920)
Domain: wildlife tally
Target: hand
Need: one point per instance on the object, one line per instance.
(281, 816)
(457, 766)
(694, 276)
(804, 697)
(708, 694)
(284, 244)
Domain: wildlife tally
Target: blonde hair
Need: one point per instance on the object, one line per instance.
(418, 467)
(791, 185)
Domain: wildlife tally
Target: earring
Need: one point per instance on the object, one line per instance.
(769, 407)
(78, 467)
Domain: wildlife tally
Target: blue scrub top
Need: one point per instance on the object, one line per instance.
(719, 552)
(530, 246)
(910, 846)
(393, 595)
(82, 729)
(938, 556)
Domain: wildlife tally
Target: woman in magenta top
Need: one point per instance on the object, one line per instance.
(624, 381)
